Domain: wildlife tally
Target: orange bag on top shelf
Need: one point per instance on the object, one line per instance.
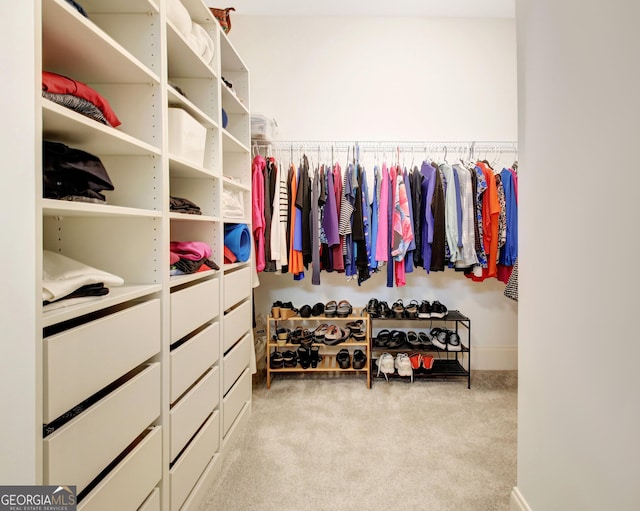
(223, 17)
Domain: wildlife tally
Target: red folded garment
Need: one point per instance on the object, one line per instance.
(59, 84)
(229, 257)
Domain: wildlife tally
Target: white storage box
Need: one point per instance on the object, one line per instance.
(263, 128)
(187, 137)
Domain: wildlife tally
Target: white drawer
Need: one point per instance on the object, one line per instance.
(237, 287)
(236, 323)
(191, 411)
(128, 485)
(193, 306)
(235, 399)
(193, 358)
(83, 447)
(152, 503)
(236, 361)
(85, 359)
(185, 473)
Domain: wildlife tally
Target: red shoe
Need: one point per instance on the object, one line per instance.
(427, 362)
(416, 359)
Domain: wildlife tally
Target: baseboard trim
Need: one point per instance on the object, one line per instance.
(517, 501)
(494, 358)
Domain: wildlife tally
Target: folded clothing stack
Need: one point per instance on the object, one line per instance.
(194, 34)
(72, 174)
(79, 97)
(188, 257)
(63, 277)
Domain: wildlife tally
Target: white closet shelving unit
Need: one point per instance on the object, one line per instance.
(143, 389)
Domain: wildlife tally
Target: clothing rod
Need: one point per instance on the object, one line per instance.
(310, 145)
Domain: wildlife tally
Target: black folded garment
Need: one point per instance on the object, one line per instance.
(89, 290)
(186, 266)
(180, 205)
(68, 172)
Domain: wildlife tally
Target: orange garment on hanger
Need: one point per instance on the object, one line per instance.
(490, 219)
(295, 256)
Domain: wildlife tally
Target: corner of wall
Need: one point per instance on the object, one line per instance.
(517, 502)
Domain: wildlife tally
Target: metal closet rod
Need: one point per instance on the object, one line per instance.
(310, 145)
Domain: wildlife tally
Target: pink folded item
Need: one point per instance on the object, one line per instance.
(191, 250)
(173, 258)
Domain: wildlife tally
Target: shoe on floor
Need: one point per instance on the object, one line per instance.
(453, 341)
(359, 359)
(424, 311)
(438, 310)
(403, 365)
(385, 365)
(427, 362)
(439, 338)
(344, 359)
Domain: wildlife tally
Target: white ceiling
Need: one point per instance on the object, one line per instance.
(397, 8)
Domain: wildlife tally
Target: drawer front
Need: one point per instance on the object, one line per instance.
(236, 399)
(152, 503)
(237, 287)
(193, 358)
(191, 411)
(83, 360)
(236, 361)
(193, 306)
(185, 473)
(236, 323)
(83, 447)
(129, 484)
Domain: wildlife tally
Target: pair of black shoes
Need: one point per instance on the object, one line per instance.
(309, 356)
(287, 358)
(307, 311)
(379, 309)
(305, 356)
(344, 359)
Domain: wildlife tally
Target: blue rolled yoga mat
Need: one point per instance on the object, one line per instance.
(237, 238)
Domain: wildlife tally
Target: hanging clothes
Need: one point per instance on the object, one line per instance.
(279, 251)
(295, 245)
(427, 179)
(384, 220)
(408, 259)
(315, 229)
(415, 180)
(509, 253)
(269, 190)
(467, 230)
(438, 206)
(337, 251)
(303, 203)
(257, 209)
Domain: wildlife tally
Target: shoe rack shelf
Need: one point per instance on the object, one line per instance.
(446, 364)
(328, 362)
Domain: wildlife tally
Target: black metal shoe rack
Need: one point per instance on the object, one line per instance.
(447, 364)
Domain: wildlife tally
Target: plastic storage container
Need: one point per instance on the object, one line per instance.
(263, 128)
(187, 137)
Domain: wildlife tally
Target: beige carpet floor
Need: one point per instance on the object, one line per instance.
(323, 443)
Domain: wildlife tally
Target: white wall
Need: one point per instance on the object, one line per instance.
(382, 78)
(578, 446)
(390, 79)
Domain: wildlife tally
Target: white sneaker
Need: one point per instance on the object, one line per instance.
(403, 365)
(385, 365)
